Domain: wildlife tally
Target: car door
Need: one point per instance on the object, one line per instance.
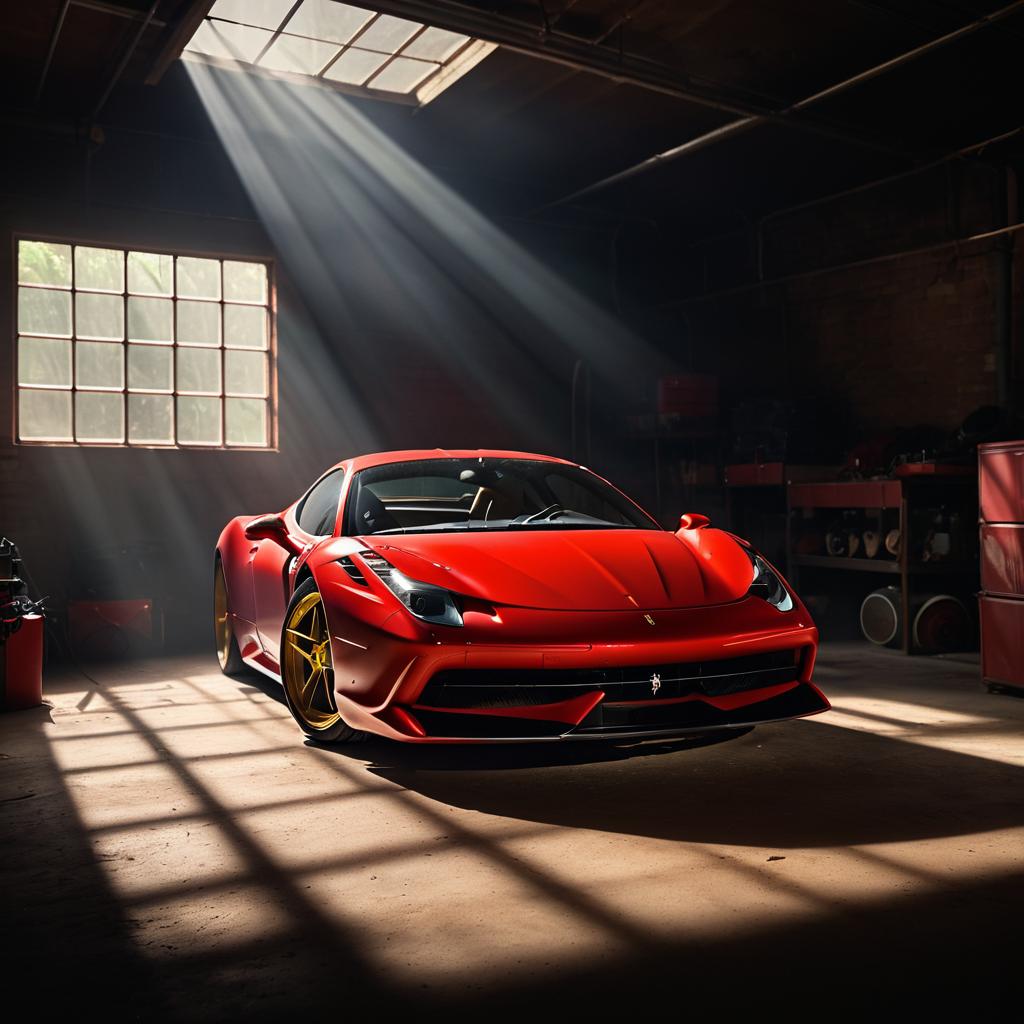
(315, 517)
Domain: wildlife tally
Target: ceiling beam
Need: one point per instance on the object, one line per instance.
(786, 114)
(126, 56)
(117, 11)
(182, 29)
(568, 51)
(571, 51)
(621, 67)
(515, 35)
(54, 36)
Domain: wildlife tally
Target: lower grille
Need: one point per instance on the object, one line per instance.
(629, 684)
(696, 715)
(608, 723)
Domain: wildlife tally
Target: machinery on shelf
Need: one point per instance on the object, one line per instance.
(913, 528)
(940, 623)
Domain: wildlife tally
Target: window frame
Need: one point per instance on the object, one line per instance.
(136, 245)
(454, 67)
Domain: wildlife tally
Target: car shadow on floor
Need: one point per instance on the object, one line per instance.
(792, 785)
(799, 784)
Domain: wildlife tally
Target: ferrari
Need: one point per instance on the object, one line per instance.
(484, 596)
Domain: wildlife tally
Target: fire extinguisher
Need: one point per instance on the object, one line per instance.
(21, 635)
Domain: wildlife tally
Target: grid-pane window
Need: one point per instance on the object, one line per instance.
(121, 346)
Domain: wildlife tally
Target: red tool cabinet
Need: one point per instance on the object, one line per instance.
(1001, 496)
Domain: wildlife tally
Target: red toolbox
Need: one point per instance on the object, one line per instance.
(1001, 499)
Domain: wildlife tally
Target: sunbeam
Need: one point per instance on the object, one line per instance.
(378, 247)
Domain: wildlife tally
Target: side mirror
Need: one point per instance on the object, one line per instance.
(693, 521)
(270, 527)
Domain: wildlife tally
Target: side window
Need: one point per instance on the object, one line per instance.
(318, 509)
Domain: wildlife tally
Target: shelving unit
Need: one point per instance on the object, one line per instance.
(755, 500)
(904, 497)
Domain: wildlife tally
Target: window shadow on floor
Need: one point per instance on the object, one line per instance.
(72, 926)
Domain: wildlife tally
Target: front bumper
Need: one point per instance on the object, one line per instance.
(517, 675)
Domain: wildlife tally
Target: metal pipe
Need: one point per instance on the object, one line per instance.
(734, 128)
(49, 53)
(621, 20)
(1003, 298)
(726, 131)
(1003, 317)
(919, 51)
(580, 424)
(866, 186)
(125, 57)
(957, 154)
(832, 268)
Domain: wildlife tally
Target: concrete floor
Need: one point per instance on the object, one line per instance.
(172, 850)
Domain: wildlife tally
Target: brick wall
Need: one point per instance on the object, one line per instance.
(884, 345)
(897, 344)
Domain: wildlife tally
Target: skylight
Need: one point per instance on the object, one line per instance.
(347, 47)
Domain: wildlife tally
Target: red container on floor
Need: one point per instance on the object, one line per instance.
(114, 629)
(21, 665)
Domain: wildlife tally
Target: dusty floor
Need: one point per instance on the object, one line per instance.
(172, 849)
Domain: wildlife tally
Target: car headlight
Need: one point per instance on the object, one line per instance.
(424, 600)
(766, 584)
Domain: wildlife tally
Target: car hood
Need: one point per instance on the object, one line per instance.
(586, 570)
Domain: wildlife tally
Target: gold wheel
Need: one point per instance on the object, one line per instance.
(306, 668)
(221, 623)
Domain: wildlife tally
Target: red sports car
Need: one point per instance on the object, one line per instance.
(468, 596)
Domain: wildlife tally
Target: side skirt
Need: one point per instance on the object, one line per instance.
(262, 664)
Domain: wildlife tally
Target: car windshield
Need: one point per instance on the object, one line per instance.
(449, 495)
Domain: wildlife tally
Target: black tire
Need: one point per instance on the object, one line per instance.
(228, 655)
(322, 722)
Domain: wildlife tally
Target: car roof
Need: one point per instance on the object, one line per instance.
(415, 455)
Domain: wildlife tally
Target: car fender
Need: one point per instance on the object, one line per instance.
(233, 548)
